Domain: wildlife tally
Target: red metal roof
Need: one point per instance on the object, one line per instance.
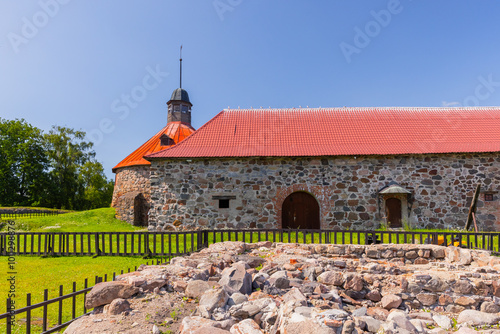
(176, 130)
(342, 131)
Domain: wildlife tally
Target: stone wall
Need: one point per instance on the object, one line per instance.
(346, 189)
(132, 188)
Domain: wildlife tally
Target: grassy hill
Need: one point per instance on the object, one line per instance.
(98, 220)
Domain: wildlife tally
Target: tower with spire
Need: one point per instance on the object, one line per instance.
(132, 192)
(179, 106)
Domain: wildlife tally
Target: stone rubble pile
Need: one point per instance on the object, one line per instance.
(339, 289)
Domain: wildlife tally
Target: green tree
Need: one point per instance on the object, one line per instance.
(23, 164)
(56, 169)
(98, 190)
(67, 151)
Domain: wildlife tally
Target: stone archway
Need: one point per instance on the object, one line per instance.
(141, 209)
(300, 210)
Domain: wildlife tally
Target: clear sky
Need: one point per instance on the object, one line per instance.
(109, 67)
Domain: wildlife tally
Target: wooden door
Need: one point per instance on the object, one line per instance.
(300, 210)
(393, 212)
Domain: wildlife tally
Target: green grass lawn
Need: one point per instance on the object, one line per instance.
(98, 220)
(35, 274)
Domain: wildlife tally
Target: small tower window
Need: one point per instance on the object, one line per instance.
(166, 140)
(177, 108)
(488, 197)
(184, 109)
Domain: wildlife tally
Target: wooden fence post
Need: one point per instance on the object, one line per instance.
(97, 250)
(9, 317)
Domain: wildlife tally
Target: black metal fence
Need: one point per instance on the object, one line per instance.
(175, 243)
(28, 213)
(77, 303)
(101, 243)
(482, 240)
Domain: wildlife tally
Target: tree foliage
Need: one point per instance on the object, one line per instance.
(57, 169)
(23, 163)
(98, 190)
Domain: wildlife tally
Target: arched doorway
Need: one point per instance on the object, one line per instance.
(393, 212)
(300, 210)
(141, 209)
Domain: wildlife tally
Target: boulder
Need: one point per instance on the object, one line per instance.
(435, 284)
(307, 327)
(463, 287)
(150, 285)
(420, 325)
(105, 292)
(252, 261)
(477, 318)
(294, 295)
(237, 298)
(247, 326)
(466, 330)
(244, 311)
(237, 279)
(378, 313)
(196, 288)
(465, 301)
(76, 327)
(280, 283)
(401, 320)
(372, 324)
(391, 301)
(117, 306)
(213, 299)
(354, 282)
(374, 296)
(191, 324)
(442, 321)
(490, 307)
(427, 299)
(331, 278)
(348, 327)
(460, 255)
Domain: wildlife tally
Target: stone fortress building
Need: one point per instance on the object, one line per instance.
(132, 192)
(329, 168)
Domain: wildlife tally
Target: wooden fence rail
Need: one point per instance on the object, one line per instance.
(175, 243)
(101, 243)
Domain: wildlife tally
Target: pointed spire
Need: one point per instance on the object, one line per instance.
(180, 72)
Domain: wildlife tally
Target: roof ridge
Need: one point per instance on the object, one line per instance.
(363, 108)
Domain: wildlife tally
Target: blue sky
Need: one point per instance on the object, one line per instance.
(71, 62)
